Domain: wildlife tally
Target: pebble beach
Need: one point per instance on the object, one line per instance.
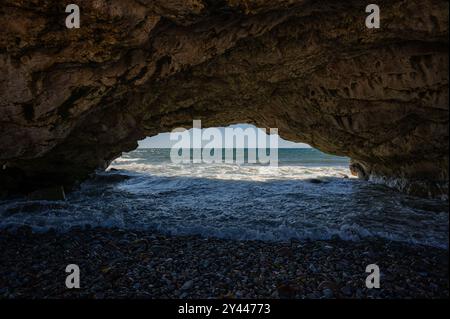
(125, 264)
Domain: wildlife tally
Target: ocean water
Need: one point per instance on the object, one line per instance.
(309, 196)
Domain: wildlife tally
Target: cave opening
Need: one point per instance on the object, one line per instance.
(192, 221)
(308, 195)
(240, 150)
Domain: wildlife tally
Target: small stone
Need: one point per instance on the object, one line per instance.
(187, 285)
(183, 295)
(312, 268)
(137, 286)
(347, 291)
(312, 295)
(327, 293)
(156, 249)
(285, 251)
(286, 291)
(99, 295)
(359, 294)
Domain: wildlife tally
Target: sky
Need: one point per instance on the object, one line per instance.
(162, 140)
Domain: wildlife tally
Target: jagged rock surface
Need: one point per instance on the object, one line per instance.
(73, 100)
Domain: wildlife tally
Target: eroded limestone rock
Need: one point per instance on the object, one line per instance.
(72, 100)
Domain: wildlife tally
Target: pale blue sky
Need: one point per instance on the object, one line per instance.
(162, 140)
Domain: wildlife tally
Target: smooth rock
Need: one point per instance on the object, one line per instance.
(328, 293)
(187, 285)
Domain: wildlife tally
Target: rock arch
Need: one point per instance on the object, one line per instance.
(73, 100)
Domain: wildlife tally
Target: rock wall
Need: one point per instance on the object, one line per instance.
(72, 100)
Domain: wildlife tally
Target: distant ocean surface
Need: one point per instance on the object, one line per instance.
(310, 196)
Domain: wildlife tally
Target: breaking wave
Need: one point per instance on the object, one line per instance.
(310, 196)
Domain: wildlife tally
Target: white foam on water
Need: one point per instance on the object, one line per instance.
(125, 160)
(243, 202)
(234, 171)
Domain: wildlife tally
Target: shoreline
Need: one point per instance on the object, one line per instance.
(118, 263)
